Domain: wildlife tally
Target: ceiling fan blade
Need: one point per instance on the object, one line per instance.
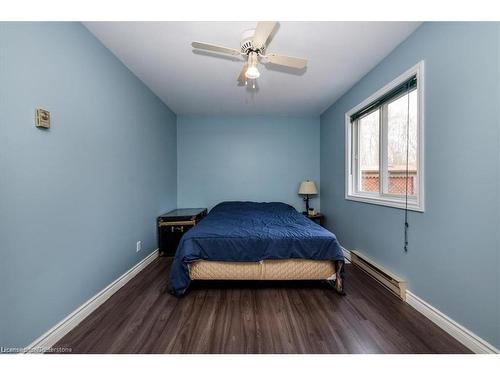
(242, 78)
(262, 32)
(292, 62)
(215, 48)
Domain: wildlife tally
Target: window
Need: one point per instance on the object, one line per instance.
(384, 145)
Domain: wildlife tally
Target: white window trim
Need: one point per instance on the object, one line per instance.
(417, 204)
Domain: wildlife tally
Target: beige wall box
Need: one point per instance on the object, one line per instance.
(42, 118)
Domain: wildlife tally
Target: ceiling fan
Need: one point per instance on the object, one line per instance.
(253, 45)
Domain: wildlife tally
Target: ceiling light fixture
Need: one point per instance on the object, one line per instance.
(252, 71)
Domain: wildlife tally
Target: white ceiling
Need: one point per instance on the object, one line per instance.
(339, 54)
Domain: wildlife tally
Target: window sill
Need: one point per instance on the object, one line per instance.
(387, 202)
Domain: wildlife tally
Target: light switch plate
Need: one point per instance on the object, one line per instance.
(42, 118)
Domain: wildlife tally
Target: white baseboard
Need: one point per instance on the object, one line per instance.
(57, 332)
(467, 338)
(347, 254)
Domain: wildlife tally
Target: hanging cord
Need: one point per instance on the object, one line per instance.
(407, 174)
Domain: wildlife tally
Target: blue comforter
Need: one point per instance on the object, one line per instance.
(251, 232)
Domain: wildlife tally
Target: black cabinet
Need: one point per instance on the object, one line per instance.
(172, 226)
(317, 218)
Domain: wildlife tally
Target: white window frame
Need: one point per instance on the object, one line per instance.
(414, 203)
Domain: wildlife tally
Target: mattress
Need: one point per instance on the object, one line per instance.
(269, 269)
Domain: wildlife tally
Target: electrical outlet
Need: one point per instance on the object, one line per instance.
(138, 246)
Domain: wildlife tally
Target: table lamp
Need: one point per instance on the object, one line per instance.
(306, 189)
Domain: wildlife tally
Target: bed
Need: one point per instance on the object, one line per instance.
(256, 241)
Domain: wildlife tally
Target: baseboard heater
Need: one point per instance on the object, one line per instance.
(392, 282)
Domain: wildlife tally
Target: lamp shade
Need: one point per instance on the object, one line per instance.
(308, 187)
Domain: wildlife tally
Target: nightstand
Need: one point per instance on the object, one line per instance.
(172, 226)
(318, 218)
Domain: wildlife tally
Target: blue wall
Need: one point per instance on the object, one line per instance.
(74, 199)
(453, 258)
(258, 158)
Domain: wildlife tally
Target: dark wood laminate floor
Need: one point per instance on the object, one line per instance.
(256, 317)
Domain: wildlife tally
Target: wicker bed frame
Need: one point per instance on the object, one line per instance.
(276, 269)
